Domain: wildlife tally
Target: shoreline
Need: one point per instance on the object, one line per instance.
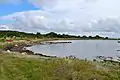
(20, 47)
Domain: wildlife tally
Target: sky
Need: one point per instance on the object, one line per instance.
(9, 8)
(79, 17)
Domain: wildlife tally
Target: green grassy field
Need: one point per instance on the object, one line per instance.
(23, 68)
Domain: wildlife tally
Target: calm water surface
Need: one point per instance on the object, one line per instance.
(80, 48)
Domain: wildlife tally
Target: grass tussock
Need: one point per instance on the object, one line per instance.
(19, 68)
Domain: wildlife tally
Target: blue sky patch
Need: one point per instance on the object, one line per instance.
(7, 21)
(8, 8)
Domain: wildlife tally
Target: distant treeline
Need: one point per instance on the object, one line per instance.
(11, 34)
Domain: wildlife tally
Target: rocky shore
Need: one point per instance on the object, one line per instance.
(55, 42)
(22, 50)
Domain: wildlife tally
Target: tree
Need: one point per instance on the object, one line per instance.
(90, 37)
(97, 37)
(38, 35)
(50, 35)
(84, 37)
(106, 38)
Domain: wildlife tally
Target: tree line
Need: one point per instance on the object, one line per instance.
(11, 34)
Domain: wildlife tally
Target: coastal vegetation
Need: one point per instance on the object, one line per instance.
(17, 67)
(14, 65)
(22, 35)
(15, 37)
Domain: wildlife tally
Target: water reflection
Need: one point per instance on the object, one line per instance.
(81, 49)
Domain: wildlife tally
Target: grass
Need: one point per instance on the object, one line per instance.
(21, 68)
(3, 43)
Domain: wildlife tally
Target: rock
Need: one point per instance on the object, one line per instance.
(16, 45)
(8, 51)
(24, 53)
(94, 60)
(24, 48)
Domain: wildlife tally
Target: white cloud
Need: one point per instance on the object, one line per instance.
(71, 16)
(34, 21)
